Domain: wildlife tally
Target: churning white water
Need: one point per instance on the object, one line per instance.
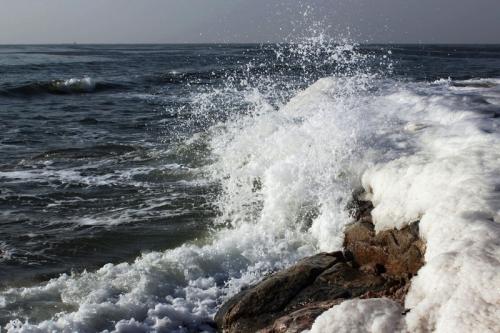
(422, 151)
(450, 184)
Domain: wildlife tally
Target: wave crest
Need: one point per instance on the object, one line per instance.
(57, 87)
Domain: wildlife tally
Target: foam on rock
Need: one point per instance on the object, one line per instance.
(374, 265)
(450, 184)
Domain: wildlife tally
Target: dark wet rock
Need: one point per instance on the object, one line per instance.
(372, 265)
(301, 319)
(258, 306)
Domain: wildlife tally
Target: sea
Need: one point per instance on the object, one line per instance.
(141, 186)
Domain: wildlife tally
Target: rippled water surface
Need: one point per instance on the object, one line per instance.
(108, 152)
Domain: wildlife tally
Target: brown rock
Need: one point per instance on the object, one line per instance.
(396, 253)
(301, 319)
(289, 301)
(257, 307)
(373, 265)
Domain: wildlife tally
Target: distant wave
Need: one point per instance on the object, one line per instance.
(57, 87)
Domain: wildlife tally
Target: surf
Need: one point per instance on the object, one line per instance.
(287, 162)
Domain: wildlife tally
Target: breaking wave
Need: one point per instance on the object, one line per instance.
(287, 166)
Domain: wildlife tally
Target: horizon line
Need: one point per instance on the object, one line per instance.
(240, 43)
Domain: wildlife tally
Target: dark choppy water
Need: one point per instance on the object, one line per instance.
(103, 153)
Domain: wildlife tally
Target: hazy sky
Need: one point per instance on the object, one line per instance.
(191, 21)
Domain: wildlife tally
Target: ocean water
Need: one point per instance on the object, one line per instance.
(142, 185)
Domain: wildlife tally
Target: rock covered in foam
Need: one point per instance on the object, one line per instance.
(374, 265)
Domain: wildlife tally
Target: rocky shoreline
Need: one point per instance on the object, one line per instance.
(372, 265)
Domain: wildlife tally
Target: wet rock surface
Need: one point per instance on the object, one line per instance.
(372, 265)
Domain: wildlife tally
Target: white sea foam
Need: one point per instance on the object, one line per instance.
(316, 156)
(360, 316)
(451, 185)
(419, 150)
(77, 175)
(6, 252)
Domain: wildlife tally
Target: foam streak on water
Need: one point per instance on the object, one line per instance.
(423, 151)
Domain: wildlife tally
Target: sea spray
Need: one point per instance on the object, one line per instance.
(286, 170)
(287, 152)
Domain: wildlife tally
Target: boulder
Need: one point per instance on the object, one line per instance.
(300, 320)
(372, 265)
(396, 253)
(256, 307)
